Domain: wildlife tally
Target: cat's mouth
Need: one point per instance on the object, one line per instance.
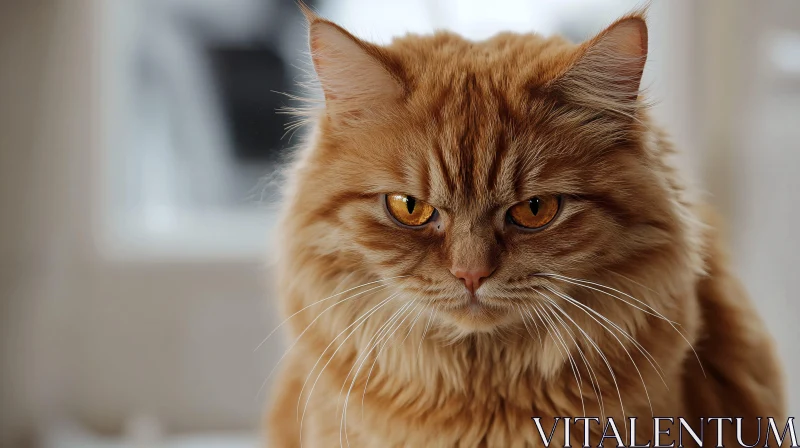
(474, 303)
(476, 313)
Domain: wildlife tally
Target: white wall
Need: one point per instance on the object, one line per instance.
(83, 335)
(42, 120)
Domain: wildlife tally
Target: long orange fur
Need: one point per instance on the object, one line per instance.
(473, 128)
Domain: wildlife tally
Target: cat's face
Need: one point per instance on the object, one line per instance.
(468, 174)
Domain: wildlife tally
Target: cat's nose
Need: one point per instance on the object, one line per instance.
(472, 278)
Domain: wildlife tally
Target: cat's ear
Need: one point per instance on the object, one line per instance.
(353, 74)
(608, 70)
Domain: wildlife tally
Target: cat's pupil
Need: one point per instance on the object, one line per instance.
(410, 203)
(534, 204)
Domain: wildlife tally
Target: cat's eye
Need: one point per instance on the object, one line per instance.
(408, 210)
(535, 213)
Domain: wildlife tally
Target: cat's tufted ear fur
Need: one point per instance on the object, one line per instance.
(354, 75)
(608, 71)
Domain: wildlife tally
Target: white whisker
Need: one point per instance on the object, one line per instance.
(584, 309)
(361, 319)
(580, 282)
(411, 327)
(527, 328)
(383, 343)
(323, 300)
(547, 328)
(363, 358)
(291, 346)
(584, 283)
(387, 323)
(377, 338)
(592, 373)
(599, 352)
(595, 382)
(425, 332)
(649, 357)
(573, 365)
(344, 411)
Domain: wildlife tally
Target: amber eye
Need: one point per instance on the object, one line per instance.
(536, 212)
(408, 210)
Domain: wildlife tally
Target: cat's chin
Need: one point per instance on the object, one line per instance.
(477, 318)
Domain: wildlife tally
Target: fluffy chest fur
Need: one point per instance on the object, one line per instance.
(477, 392)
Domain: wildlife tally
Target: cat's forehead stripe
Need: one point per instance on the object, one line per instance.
(471, 146)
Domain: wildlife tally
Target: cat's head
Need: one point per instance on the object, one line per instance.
(469, 174)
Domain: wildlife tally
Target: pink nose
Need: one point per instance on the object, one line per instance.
(472, 278)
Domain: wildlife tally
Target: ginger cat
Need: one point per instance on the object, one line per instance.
(478, 233)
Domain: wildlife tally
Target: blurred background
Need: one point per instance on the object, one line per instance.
(138, 147)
